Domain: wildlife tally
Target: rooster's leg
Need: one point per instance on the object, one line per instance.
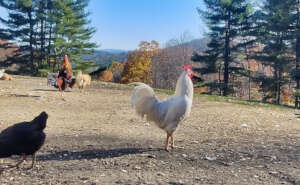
(173, 145)
(20, 162)
(167, 143)
(1, 169)
(33, 161)
(62, 96)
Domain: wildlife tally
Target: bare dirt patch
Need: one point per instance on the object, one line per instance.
(94, 137)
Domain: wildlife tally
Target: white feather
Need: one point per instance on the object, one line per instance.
(166, 114)
(1, 72)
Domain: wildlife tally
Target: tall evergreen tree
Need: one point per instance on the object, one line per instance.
(41, 34)
(20, 25)
(274, 35)
(223, 18)
(213, 62)
(72, 31)
(295, 30)
(48, 28)
(247, 41)
(297, 35)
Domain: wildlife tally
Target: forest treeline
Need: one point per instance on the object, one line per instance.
(251, 48)
(45, 30)
(241, 31)
(243, 37)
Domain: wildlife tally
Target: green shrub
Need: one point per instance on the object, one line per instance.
(297, 93)
(43, 72)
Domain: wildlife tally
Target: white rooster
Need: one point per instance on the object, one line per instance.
(169, 113)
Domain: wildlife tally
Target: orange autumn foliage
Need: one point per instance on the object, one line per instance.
(106, 76)
(201, 90)
(286, 96)
(138, 68)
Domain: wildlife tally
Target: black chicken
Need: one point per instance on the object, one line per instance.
(24, 138)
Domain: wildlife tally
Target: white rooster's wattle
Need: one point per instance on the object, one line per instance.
(169, 113)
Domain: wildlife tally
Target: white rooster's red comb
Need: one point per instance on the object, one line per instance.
(187, 67)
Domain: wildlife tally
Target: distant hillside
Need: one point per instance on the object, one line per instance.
(198, 45)
(104, 57)
(115, 51)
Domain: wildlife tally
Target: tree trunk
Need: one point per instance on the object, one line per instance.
(29, 12)
(298, 59)
(226, 57)
(249, 80)
(278, 84)
(49, 45)
(249, 73)
(220, 89)
(297, 52)
(42, 37)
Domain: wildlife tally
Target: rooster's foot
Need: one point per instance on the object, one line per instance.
(177, 147)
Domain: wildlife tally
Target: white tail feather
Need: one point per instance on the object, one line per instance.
(139, 92)
(2, 72)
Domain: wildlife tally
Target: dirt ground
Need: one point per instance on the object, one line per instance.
(94, 137)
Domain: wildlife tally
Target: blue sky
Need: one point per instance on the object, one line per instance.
(122, 24)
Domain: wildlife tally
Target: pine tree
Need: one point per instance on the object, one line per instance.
(46, 29)
(274, 35)
(72, 31)
(41, 34)
(21, 24)
(213, 62)
(223, 18)
(295, 38)
(247, 42)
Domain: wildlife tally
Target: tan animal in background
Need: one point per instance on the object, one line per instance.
(6, 76)
(82, 80)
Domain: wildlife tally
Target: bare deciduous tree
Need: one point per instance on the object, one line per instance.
(167, 64)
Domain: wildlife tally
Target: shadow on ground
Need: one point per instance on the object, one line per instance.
(51, 90)
(24, 95)
(92, 154)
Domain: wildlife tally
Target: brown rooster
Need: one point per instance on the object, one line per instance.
(64, 78)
